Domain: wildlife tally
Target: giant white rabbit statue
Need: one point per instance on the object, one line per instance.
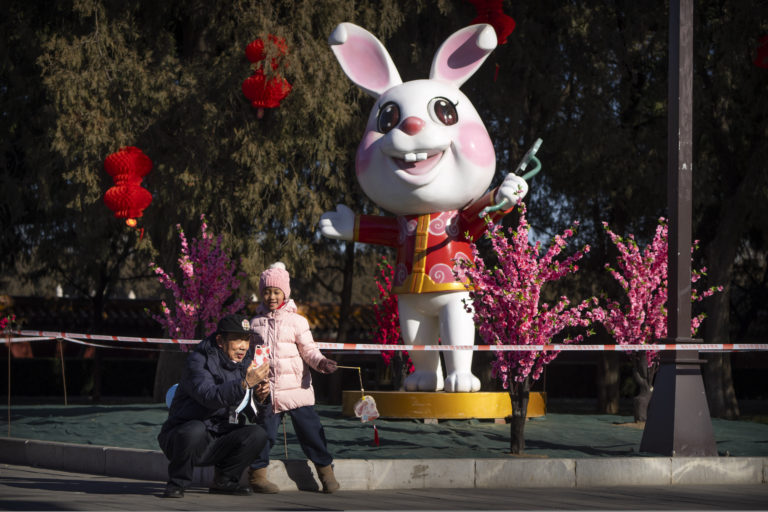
(427, 158)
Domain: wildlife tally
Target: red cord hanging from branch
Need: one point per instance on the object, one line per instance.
(128, 199)
(263, 91)
(491, 12)
(762, 53)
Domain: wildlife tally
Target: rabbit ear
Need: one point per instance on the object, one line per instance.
(463, 53)
(364, 59)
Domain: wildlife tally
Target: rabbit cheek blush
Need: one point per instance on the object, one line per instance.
(476, 146)
(365, 152)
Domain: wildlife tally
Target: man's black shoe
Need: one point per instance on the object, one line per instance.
(173, 491)
(231, 488)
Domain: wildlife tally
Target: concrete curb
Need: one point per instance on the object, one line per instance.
(370, 474)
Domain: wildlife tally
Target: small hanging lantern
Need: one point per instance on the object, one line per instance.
(128, 199)
(261, 91)
(255, 52)
(490, 11)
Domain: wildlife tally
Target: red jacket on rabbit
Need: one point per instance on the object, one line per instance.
(427, 245)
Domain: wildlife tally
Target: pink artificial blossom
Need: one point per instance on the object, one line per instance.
(208, 280)
(6, 323)
(507, 303)
(642, 318)
(387, 316)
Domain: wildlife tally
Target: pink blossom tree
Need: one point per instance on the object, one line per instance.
(509, 309)
(208, 278)
(6, 323)
(388, 325)
(642, 317)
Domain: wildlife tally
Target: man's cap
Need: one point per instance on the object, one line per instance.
(236, 324)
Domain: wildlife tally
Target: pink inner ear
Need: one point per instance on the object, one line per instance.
(463, 55)
(364, 63)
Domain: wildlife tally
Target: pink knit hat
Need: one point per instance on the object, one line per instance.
(276, 276)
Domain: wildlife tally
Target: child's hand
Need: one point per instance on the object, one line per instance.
(327, 365)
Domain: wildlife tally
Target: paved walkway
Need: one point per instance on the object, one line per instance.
(562, 450)
(27, 488)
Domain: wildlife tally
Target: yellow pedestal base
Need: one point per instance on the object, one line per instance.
(443, 406)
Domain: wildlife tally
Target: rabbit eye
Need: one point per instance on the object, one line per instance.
(443, 110)
(389, 116)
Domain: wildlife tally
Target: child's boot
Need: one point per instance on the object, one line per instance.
(327, 478)
(259, 483)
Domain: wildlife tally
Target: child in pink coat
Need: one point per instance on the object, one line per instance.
(278, 326)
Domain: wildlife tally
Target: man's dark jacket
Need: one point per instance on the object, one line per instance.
(209, 389)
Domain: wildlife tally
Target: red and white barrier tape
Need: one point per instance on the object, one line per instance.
(551, 347)
(702, 347)
(99, 345)
(100, 337)
(80, 342)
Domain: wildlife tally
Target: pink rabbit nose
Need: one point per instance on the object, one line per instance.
(412, 125)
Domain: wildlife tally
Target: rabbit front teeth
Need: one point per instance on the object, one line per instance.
(415, 157)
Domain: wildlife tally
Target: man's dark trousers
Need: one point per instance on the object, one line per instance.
(191, 444)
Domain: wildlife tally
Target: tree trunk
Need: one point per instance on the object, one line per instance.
(345, 309)
(398, 366)
(345, 313)
(718, 383)
(643, 375)
(518, 394)
(640, 405)
(717, 373)
(170, 367)
(97, 376)
(735, 213)
(96, 323)
(608, 383)
(482, 366)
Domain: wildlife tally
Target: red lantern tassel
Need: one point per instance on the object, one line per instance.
(375, 436)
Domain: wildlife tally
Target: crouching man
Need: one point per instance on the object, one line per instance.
(206, 424)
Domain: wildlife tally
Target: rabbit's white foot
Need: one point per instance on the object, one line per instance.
(423, 381)
(457, 382)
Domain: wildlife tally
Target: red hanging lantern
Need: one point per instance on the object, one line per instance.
(490, 11)
(265, 93)
(128, 199)
(261, 91)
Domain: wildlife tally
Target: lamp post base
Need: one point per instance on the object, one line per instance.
(678, 422)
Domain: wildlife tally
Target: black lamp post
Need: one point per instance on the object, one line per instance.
(678, 421)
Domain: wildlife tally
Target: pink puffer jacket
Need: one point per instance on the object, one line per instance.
(292, 348)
